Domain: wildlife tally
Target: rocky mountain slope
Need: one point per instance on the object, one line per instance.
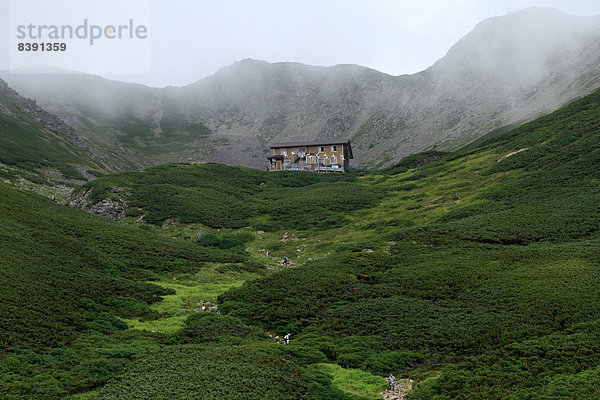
(39, 148)
(508, 70)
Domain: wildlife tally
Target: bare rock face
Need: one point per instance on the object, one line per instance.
(108, 208)
(78, 200)
(114, 208)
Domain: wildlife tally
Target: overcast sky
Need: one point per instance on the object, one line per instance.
(192, 39)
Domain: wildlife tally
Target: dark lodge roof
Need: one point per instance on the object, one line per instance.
(326, 142)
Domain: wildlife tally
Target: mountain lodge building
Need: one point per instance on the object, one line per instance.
(323, 156)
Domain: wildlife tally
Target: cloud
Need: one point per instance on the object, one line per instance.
(193, 39)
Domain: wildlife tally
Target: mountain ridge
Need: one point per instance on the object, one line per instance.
(48, 121)
(507, 70)
(40, 151)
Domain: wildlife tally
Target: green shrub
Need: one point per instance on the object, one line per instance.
(208, 327)
(208, 372)
(388, 361)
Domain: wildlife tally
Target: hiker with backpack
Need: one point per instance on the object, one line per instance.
(391, 382)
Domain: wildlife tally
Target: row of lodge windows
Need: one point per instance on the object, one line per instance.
(303, 149)
(314, 159)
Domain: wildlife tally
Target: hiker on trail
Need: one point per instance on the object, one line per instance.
(268, 253)
(391, 382)
(203, 308)
(286, 261)
(287, 339)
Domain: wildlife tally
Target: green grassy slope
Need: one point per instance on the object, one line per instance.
(27, 146)
(484, 262)
(67, 275)
(476, 274)
(222, 197)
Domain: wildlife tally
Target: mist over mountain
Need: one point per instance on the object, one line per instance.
(508, 70)
(41, 147)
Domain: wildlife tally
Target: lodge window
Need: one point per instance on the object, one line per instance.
(334, 160)
(333, 148)
(322, 148)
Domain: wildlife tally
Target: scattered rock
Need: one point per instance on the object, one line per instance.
(206, 306)
(114, 209)
(168, 224)
(403, 386)
(287, 236)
